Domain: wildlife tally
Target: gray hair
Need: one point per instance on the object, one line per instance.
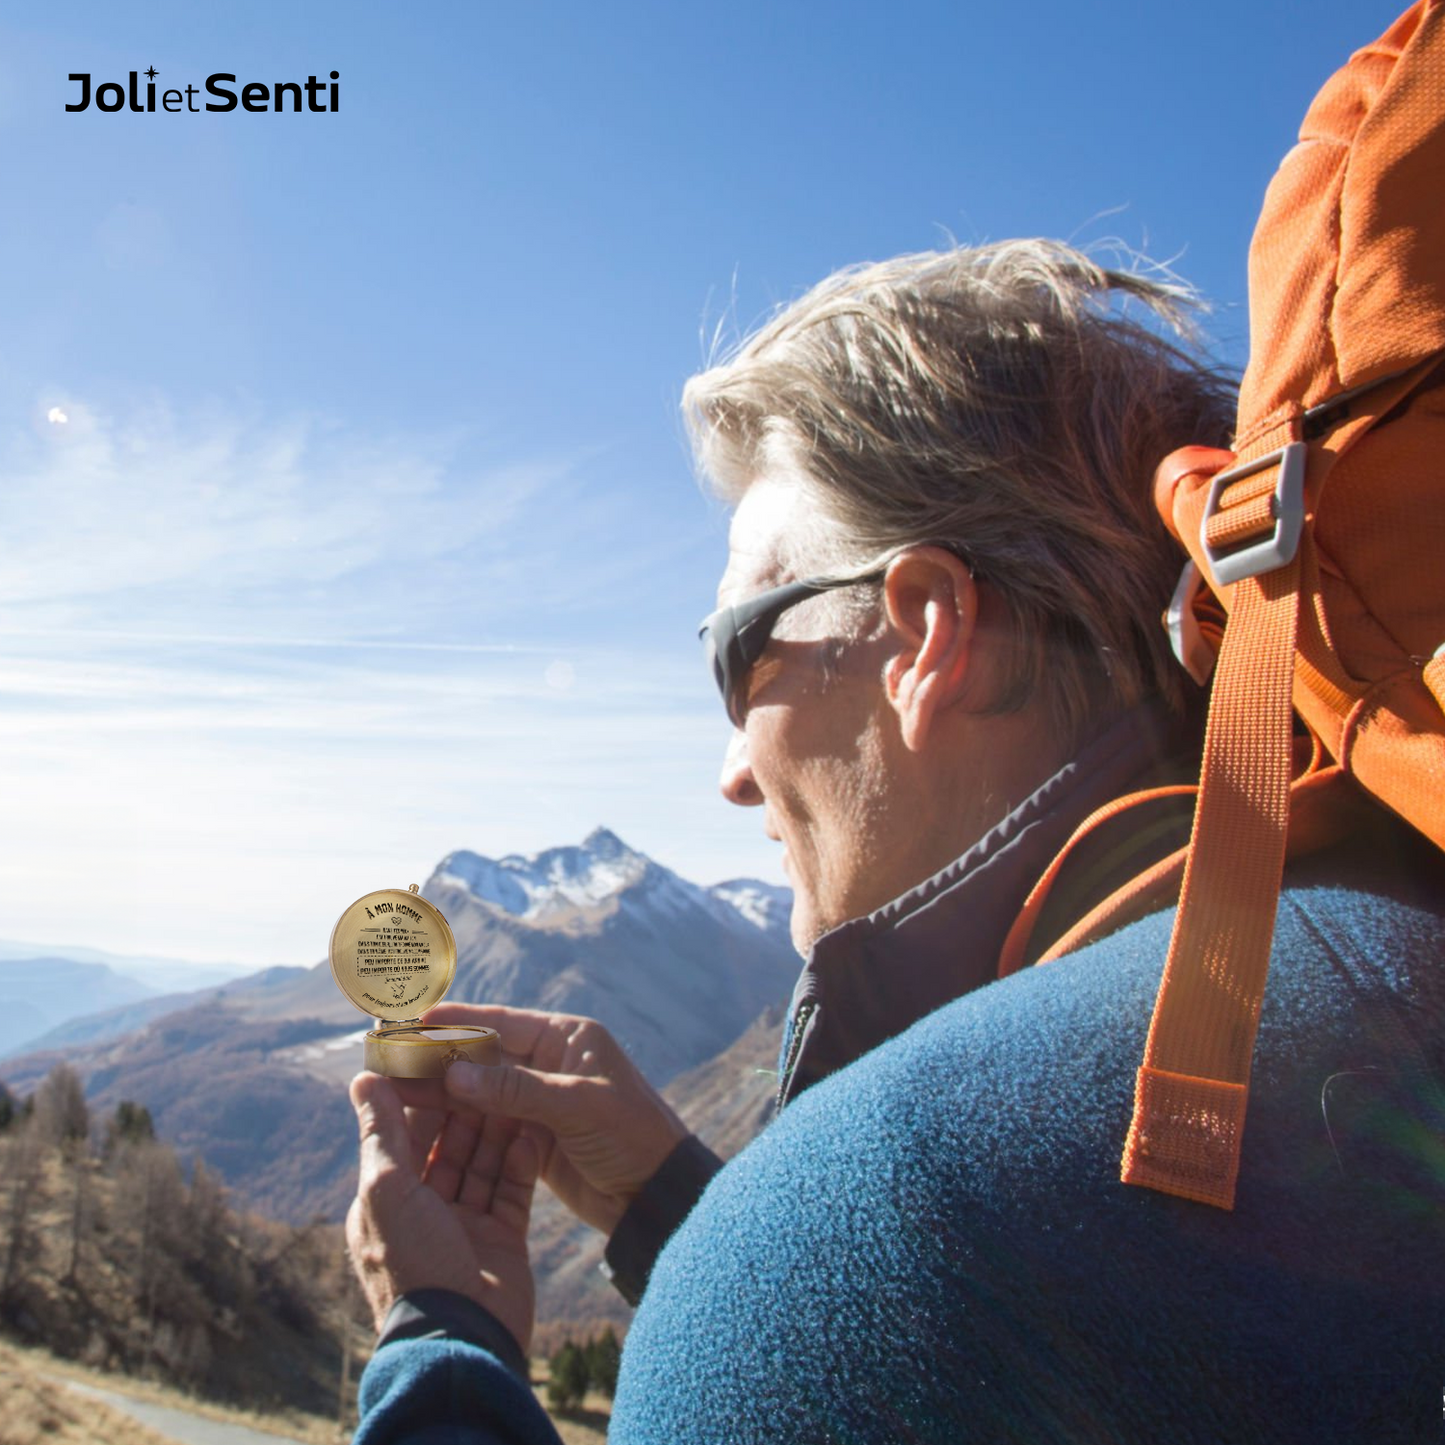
(994, 401)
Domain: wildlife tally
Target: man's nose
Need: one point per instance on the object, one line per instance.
(737, 781)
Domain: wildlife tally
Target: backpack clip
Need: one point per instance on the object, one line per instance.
(1191, 649)
(1288, 510)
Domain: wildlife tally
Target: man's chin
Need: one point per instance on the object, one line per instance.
(806, 928)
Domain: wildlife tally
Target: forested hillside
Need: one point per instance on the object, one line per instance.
(111, 1255)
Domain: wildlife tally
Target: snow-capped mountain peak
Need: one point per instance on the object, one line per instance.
(557, 878)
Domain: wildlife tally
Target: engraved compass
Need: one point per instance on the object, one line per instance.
(393, 955)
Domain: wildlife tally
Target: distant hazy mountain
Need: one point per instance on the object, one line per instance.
(158, 975)
(114, 1023)
(250, 1075)
(45, 990)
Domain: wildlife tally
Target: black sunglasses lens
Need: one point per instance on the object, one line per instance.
(734, 637)
(717, 643)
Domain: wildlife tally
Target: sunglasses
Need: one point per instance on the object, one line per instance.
(734, 638)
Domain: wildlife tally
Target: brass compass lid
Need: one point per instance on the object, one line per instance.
(393, 954)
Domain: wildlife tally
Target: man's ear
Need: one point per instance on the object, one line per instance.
(931, 601)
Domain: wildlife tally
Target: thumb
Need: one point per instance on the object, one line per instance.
(516, 1092)
(385, 1142)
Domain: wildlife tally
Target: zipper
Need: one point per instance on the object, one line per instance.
(806, 1009)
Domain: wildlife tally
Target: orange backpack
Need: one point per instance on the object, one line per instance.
(1325, 541)
(1322, 537)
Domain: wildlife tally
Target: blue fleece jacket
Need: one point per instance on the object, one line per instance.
(933, 1244)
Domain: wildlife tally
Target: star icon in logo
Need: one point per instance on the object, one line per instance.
(152, 73)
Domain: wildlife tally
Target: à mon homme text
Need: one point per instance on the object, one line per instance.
(318, 95)
(398, 908)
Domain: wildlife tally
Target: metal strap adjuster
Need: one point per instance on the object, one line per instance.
(1279, 547)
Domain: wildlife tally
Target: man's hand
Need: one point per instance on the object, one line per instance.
(458, 1221)
(602, 1129)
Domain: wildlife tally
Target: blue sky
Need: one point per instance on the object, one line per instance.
(369, 530)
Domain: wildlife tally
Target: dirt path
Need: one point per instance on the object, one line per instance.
(179, 1425)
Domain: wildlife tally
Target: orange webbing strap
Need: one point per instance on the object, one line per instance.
(1015, 946)
(1192, 1089)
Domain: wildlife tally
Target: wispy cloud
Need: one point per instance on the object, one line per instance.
(247, 642)
(218, 514)
(434, 693)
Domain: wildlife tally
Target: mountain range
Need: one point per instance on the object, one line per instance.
(48, 986)
(250, 1076)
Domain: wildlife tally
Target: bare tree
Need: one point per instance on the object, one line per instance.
(150, 1206)
(79, 1215)
(61, 1114)
(24, 1160)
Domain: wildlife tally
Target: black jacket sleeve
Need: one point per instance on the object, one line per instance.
(441, 1314)
(665, 1201)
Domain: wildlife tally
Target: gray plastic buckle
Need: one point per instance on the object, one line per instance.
(1194, 653)
(1276, 550)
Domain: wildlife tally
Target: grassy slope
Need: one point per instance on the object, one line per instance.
(37, 1409)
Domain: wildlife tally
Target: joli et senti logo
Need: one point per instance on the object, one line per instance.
(319, 96)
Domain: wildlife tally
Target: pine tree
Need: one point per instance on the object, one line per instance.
(604, 1355)
(567, 1378)
(130, 1124)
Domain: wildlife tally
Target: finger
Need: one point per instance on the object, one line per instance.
(422, 1094)
(451, 1154)
(486, 1163)
(517, 1184)
(425, 1127)
(428, 1108)
(515, 1092)
(385, 1139)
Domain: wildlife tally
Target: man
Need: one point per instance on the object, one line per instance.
(939, 646)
